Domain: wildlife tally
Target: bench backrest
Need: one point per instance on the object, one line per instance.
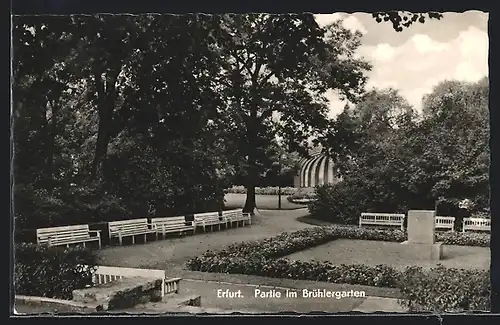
(445, 221)
(127, 226)
(206, 216)
(477, 224)
(62, 234)
(178, 220)
(236, 214)
(383, 218)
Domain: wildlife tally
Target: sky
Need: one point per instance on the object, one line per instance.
(418, 58)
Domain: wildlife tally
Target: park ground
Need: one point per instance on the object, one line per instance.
(172, 254)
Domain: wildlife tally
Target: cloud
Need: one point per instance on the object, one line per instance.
(325, 19)
(383, 52)
(353, 23)
(349, 21)
(420, 63)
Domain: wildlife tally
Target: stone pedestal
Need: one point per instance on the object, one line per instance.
(421, 243)
(423, 252)
(121, 294)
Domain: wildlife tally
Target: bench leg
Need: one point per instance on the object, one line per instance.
(83, 244)
(145, 238)
(219, 226)
(99, 243)
(133, 239)
(120, 240)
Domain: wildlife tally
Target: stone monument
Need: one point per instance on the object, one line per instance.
(421, 243)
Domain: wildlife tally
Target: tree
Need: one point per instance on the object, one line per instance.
(277, 69)
(127, 96)
(404, 19)
(441, 156)
(457, 133)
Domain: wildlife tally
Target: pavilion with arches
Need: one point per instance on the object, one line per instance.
(318, 169)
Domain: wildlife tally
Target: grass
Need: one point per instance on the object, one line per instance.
(345, 251)
(264, 202)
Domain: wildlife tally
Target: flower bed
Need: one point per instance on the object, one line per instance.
(265, 258)
(271, 190)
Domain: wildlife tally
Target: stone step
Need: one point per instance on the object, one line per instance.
(170, 303)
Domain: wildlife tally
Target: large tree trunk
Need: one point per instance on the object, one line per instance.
(51, 144)
(250, 200)
(106, 107)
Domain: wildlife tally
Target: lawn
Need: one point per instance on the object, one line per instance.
(265, 202)
(345, 251)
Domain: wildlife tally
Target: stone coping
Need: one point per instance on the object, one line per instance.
(81, 306)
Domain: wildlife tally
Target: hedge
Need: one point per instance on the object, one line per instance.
(265, 258)
(303, 196)
(52, 272)
(272, 190)
(445, 290)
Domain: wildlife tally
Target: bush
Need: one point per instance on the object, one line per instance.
(464, 239)
(445, 290)
(52, 272)
(272, 190)
(338, 203)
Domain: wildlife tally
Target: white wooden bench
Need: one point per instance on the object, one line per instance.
(209, 219)
(172, 225)
(237, 216)
(381, 219)
(106, 274)
(476, 224)
(66, 235)
(447, 223)
(129, 228)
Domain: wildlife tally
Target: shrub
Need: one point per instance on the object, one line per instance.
(464, 239)
(52, 272)
(337, 203)
(445, 290)
(271, 190)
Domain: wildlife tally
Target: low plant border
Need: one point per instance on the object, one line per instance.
(269, 190)
(266, 258)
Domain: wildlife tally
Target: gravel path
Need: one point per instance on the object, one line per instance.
(171, 254)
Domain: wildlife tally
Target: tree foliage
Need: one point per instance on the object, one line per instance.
(392, 159)
(277, 69)
(119, 116)
(404, 19)
(114, 118)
